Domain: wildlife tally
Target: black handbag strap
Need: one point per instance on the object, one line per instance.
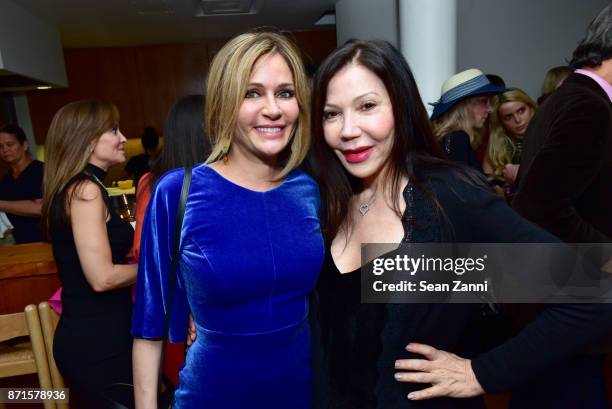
(178, 227)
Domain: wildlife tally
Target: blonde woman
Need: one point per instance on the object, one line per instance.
(512, 113)
(92, 345)
(553, 80)
(460, 114)
(251, 247)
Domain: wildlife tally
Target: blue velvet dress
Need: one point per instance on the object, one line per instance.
(248, 261)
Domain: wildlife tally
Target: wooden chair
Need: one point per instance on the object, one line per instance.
(48, 320)
(21, 356)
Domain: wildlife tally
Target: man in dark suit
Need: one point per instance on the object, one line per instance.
(565, 186)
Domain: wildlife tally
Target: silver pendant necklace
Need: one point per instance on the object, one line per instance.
(364, 207)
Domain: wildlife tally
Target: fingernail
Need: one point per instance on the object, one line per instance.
(409, 346)
(398, 376)
(411, 396)
(397, 364)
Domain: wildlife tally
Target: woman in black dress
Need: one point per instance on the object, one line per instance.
(92, 345)
(383, 180)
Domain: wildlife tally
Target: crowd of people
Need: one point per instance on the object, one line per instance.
(289, 177)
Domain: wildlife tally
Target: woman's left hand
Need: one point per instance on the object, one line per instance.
(450, 375)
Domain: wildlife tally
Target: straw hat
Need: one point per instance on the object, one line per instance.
(461, 86)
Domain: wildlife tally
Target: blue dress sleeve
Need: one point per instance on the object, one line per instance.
(153, 280)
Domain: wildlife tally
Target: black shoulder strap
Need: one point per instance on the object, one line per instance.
(174, 261)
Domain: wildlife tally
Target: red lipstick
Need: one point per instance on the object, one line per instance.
(357, 155)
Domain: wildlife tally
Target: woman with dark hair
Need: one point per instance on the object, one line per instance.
(92, 344)
(383, 178)
(185, 144)
(21, 187)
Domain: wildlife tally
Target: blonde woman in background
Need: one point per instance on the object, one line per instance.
(461, 113)
(251, 246)
(512, 113)
(553, 80)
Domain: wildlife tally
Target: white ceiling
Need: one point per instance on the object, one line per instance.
(105, 23)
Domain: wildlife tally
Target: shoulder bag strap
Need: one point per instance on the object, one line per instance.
(178, 227)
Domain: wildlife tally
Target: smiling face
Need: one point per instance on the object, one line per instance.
(515, 117)
(11, 150)
(358, 121)
(109, 149)
(269, 111)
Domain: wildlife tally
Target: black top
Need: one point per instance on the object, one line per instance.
(28, 186)
(138, 165)
(93, 325)
(362, 341)
(458, 148)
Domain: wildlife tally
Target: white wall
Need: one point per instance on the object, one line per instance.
(29, 46)
(428, 34)
(521, 39)
(24, 120)
(366, 20)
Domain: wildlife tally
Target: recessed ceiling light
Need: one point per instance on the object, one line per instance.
(227, 7)
(43, 87)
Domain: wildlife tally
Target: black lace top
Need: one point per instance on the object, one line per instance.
(354, 362)
(362, 341)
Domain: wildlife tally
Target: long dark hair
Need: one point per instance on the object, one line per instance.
(414, 145)
(185, 139)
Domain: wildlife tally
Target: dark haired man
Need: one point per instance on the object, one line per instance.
(565, 186)
(21, 187)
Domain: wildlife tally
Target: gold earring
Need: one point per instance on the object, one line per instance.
(225, 150)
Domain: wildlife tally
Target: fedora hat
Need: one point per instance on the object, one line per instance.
(461, 86)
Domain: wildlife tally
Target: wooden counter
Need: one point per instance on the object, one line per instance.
(28, 275)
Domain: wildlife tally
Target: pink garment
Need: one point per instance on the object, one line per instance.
(605, 85)
(56, 301)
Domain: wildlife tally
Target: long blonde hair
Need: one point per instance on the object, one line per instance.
(227, 83)
(458, 118)
(73, 133)
(501, 146)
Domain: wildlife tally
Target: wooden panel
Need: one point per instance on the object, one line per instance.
(191, 67)
(82, 84)
(117, 78)
(144, 81)
(16, 293)
(157, 82)
(28, 275)
(25, 253)
(315, 45)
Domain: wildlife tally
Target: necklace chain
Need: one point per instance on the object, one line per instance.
(364, 207)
